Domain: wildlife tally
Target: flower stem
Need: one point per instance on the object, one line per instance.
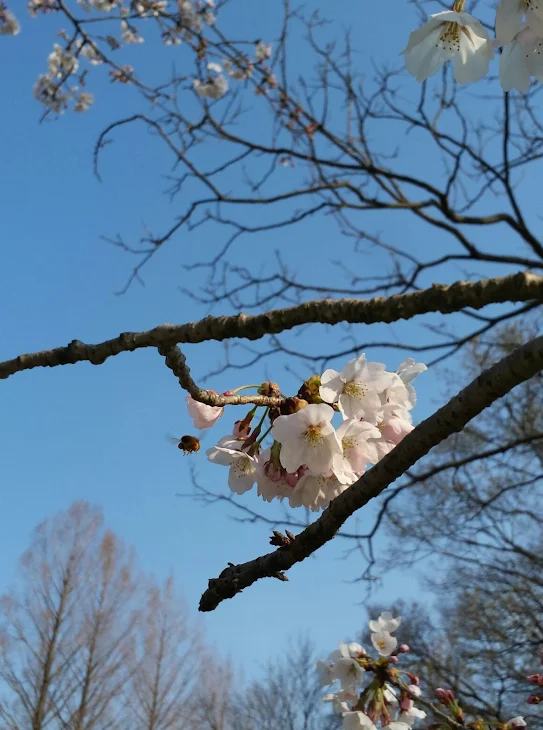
(243, 387)
(459, 6)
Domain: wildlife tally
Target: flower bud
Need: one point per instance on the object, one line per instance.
(403, 649)
(291, 479)
(269, 389)
(393, 659)
(241, 430)
(310, 390)
(413, 678)
(534, 700)
(535, 679)
(292, 405)
(445, 696)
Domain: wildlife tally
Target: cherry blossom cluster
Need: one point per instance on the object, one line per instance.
(309, 461)
(375, 692)
(455, 36)
(178, 20)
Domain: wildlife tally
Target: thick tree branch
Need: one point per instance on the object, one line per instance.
(491, 384)
(442, 298)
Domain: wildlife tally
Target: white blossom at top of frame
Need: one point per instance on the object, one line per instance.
(357, 387)
(262, 51)
(449, 36)
(129, 34)
(9, 25)
(83, 102)
(61, 62)
(203, 416)
(308, 437)
(213, 88)
(385, 622)
(384, 642)
(509, 18)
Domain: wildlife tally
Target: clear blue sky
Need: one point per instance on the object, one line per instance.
(98, 433)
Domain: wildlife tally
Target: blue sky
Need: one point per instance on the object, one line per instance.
(99, 433)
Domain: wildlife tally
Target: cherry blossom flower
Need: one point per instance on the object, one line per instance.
(9, 25)
(339, 705)
(411, 716)
(357, 721)
(237, 69)
(517, 722)
(449, 36)
(91, 54)
(384, 642)
(83, 102)
(214, 88)
(509, 16)
(270, 488)
(358, 450)
(242, 474)
(204, 416)
(325, 673)
(357, 387)
(520, 59)
(316, 491)
(385, 622)
(61, 62)
(308, 437)
(393, 424)
(262, 51)
(129, 34)
(103, 6)
(407, 371)
(214, 67)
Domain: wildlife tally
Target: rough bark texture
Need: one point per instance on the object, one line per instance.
(441, 298)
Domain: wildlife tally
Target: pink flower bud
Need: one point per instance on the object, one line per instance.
(534, 700)
(393, 659)
(291, 479)
(402, 649)
(226, 392)
(535, 679)
(445, 696)
(414, 679)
